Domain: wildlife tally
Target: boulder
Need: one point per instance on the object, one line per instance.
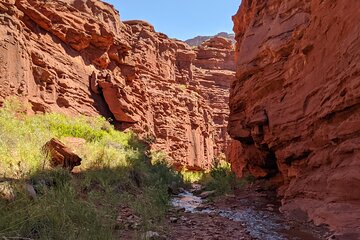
(60, 155)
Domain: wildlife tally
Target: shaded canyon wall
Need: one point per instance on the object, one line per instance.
(295, 103)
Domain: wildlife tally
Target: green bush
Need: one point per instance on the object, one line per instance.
(223, 180)
(192, 176)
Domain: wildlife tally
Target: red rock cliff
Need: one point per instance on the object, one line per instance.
(76, 56)
(295, 104)
(215, 71)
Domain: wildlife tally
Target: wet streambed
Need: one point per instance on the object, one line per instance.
(258, 215)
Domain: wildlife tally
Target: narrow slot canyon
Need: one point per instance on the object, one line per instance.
(245, 135)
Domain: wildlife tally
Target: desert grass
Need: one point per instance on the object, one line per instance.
(115, 172)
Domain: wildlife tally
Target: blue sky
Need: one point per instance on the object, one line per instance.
(182, 19)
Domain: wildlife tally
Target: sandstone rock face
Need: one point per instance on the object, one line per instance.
(295, 104)
(162, 97)
(215, 71)
(77, 57)
(48, 49)
(179, 95)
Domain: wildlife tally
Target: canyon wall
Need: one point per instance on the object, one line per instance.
(185, 92)
(198, 40)
(214, 69)
(77, 57)
(295, 104)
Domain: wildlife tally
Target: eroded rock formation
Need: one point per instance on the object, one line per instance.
(198, 40)
(61, 155)
(295, 104)
(214, 70)
(50, 48)
(77, 57)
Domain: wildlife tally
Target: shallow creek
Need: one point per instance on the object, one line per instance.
(259, 216)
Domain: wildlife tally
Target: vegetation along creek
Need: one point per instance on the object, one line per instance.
(191, 120)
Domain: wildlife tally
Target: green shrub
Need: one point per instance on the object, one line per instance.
(163, 171)
(192, 176)
(223, 180)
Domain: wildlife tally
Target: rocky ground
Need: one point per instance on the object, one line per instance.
(250, 213)
(204, 226)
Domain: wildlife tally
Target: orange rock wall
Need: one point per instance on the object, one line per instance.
(77, 57)
(294, 107)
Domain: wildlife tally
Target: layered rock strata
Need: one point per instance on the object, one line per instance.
(77, 57)
(214, 70)
(295, 104)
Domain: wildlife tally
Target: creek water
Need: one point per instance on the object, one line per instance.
(260, 217)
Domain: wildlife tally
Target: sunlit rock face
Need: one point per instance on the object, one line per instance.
(50, 48)
(198, 40)
(214, 69)
(77, 57)
(294, 106)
